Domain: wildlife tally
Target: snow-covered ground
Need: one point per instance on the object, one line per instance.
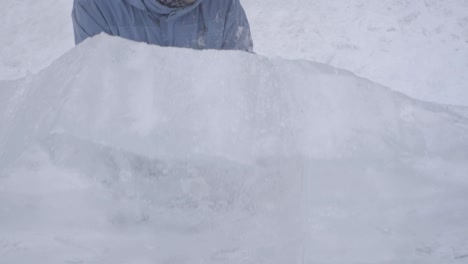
(108, 157)
(418, 47)
(32, 35)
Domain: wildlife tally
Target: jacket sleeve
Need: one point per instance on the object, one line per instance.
(85, 21)
(237, 34)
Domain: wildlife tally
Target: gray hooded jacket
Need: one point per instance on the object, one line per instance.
(205, 24)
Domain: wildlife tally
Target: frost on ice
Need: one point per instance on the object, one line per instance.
(115, 155)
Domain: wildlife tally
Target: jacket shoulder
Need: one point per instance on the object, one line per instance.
(99, 3)
(106, 12)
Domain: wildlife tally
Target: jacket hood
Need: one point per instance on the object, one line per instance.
(155, 7)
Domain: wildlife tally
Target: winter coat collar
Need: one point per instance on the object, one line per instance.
(155, 7)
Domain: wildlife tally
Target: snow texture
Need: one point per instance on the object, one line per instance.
(418, 47)
(114, 155)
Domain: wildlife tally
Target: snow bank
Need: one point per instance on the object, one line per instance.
(416, 47)
(121, 152)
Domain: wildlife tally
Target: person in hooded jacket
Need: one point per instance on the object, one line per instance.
(197, 24)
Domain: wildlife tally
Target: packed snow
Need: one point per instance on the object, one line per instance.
(109, 157)
(120, 152)
(418, 47)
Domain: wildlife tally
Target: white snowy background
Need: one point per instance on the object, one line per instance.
(109, 157)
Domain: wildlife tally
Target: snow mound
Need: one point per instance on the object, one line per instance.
(121, 152)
